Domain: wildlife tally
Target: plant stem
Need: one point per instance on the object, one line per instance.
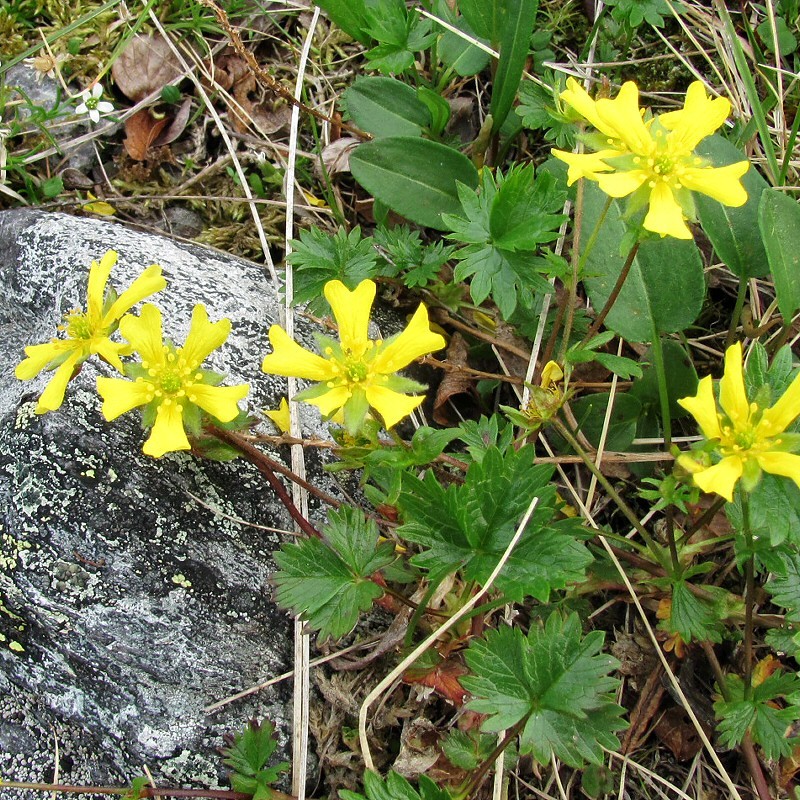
(666, 425)
(612, 298)
(265, 466)
(754, 765)
(736, 317)
(749, 597)
(476, 778)
(704, 518)
(612, 492)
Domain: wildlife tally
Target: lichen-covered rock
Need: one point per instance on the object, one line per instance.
(133, 591)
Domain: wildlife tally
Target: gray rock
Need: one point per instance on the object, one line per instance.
(126, 605)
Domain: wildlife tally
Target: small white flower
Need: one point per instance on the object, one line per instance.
(92, 104)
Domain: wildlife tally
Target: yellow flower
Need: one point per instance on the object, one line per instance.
(87, 332)
(280, 416)
(551, 375)
(748, 437)
(652, 159)
(356, 372)
(169, 381)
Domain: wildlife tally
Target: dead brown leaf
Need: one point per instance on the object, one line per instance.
(456, 381)
(677, 732)
(443, 679)
(141, 132)
(335, 157)
(146, 65)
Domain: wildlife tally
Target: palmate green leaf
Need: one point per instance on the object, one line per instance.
(399, 33)
(502, 227)
(468, 527)
(247, 755)
(408, 258)
(538, 107)
(758, 715)
(556, 680)
(692, 617)
(785, 587)
(318, 257)
(327, 582)
(634, 12)
(395, 787)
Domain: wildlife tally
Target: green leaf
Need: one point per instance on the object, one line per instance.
(517, 25)
(247, 755)
(484, 17)
(467, 749)
(327, 582)
(590, 412)
(634, 12)
(691, 617)
(468, 527)
(758, 715)
(460, 55)
(486, 433)
(521, 212)
(556, 681)
(349, 15)
(52, 187)
(779, 220)
(774, 510)
(395, 787)
(408, 258)
(787, 44)
(540, 110)
(734, 232)
(681, 379)
(665, 286)
(318, 257)
(785, 588)
(438, 108)
(417, 178)
(400, 35)
(385, 107)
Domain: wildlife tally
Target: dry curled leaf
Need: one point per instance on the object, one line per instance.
(336, 156)
(146, 65)
(141, 132)
(456, 380)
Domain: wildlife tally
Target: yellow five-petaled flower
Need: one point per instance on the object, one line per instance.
(169, 382)
(652, 159)
(747, 437)
(356, 372)
(88, 332)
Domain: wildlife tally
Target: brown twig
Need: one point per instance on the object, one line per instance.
(265, 465)
(265, 78)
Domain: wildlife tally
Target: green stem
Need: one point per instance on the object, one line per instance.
(736, 317)
(666, 425)
(749, 597)
(476, 778)
(612, 298)
(612, 493)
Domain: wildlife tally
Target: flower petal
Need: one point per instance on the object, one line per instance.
(168, 433)
(144, 333)
(721, 183)
(786, 464)
(700, 117)
(623, 115)
(721, 478)
(53, 395)
(703, 408)
(391, 405)
(99, 273)
(110, 352)
(204, 337)
(280, 416)
(665, 216)
(732, 394)
(577, 97)
(120, 396)
(585, 165)
(219, 401)
(290, 359)
(781, 415)
(621, 184)
(39, 356)
(330, 401)
(352, 310)
(149, 282)
(415, 341)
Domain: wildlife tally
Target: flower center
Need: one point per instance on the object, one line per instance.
(173, 378)
(356, 371)
(78, 325)
(91, 103)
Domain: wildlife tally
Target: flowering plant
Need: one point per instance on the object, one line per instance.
(92, 105)
(652, 158)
